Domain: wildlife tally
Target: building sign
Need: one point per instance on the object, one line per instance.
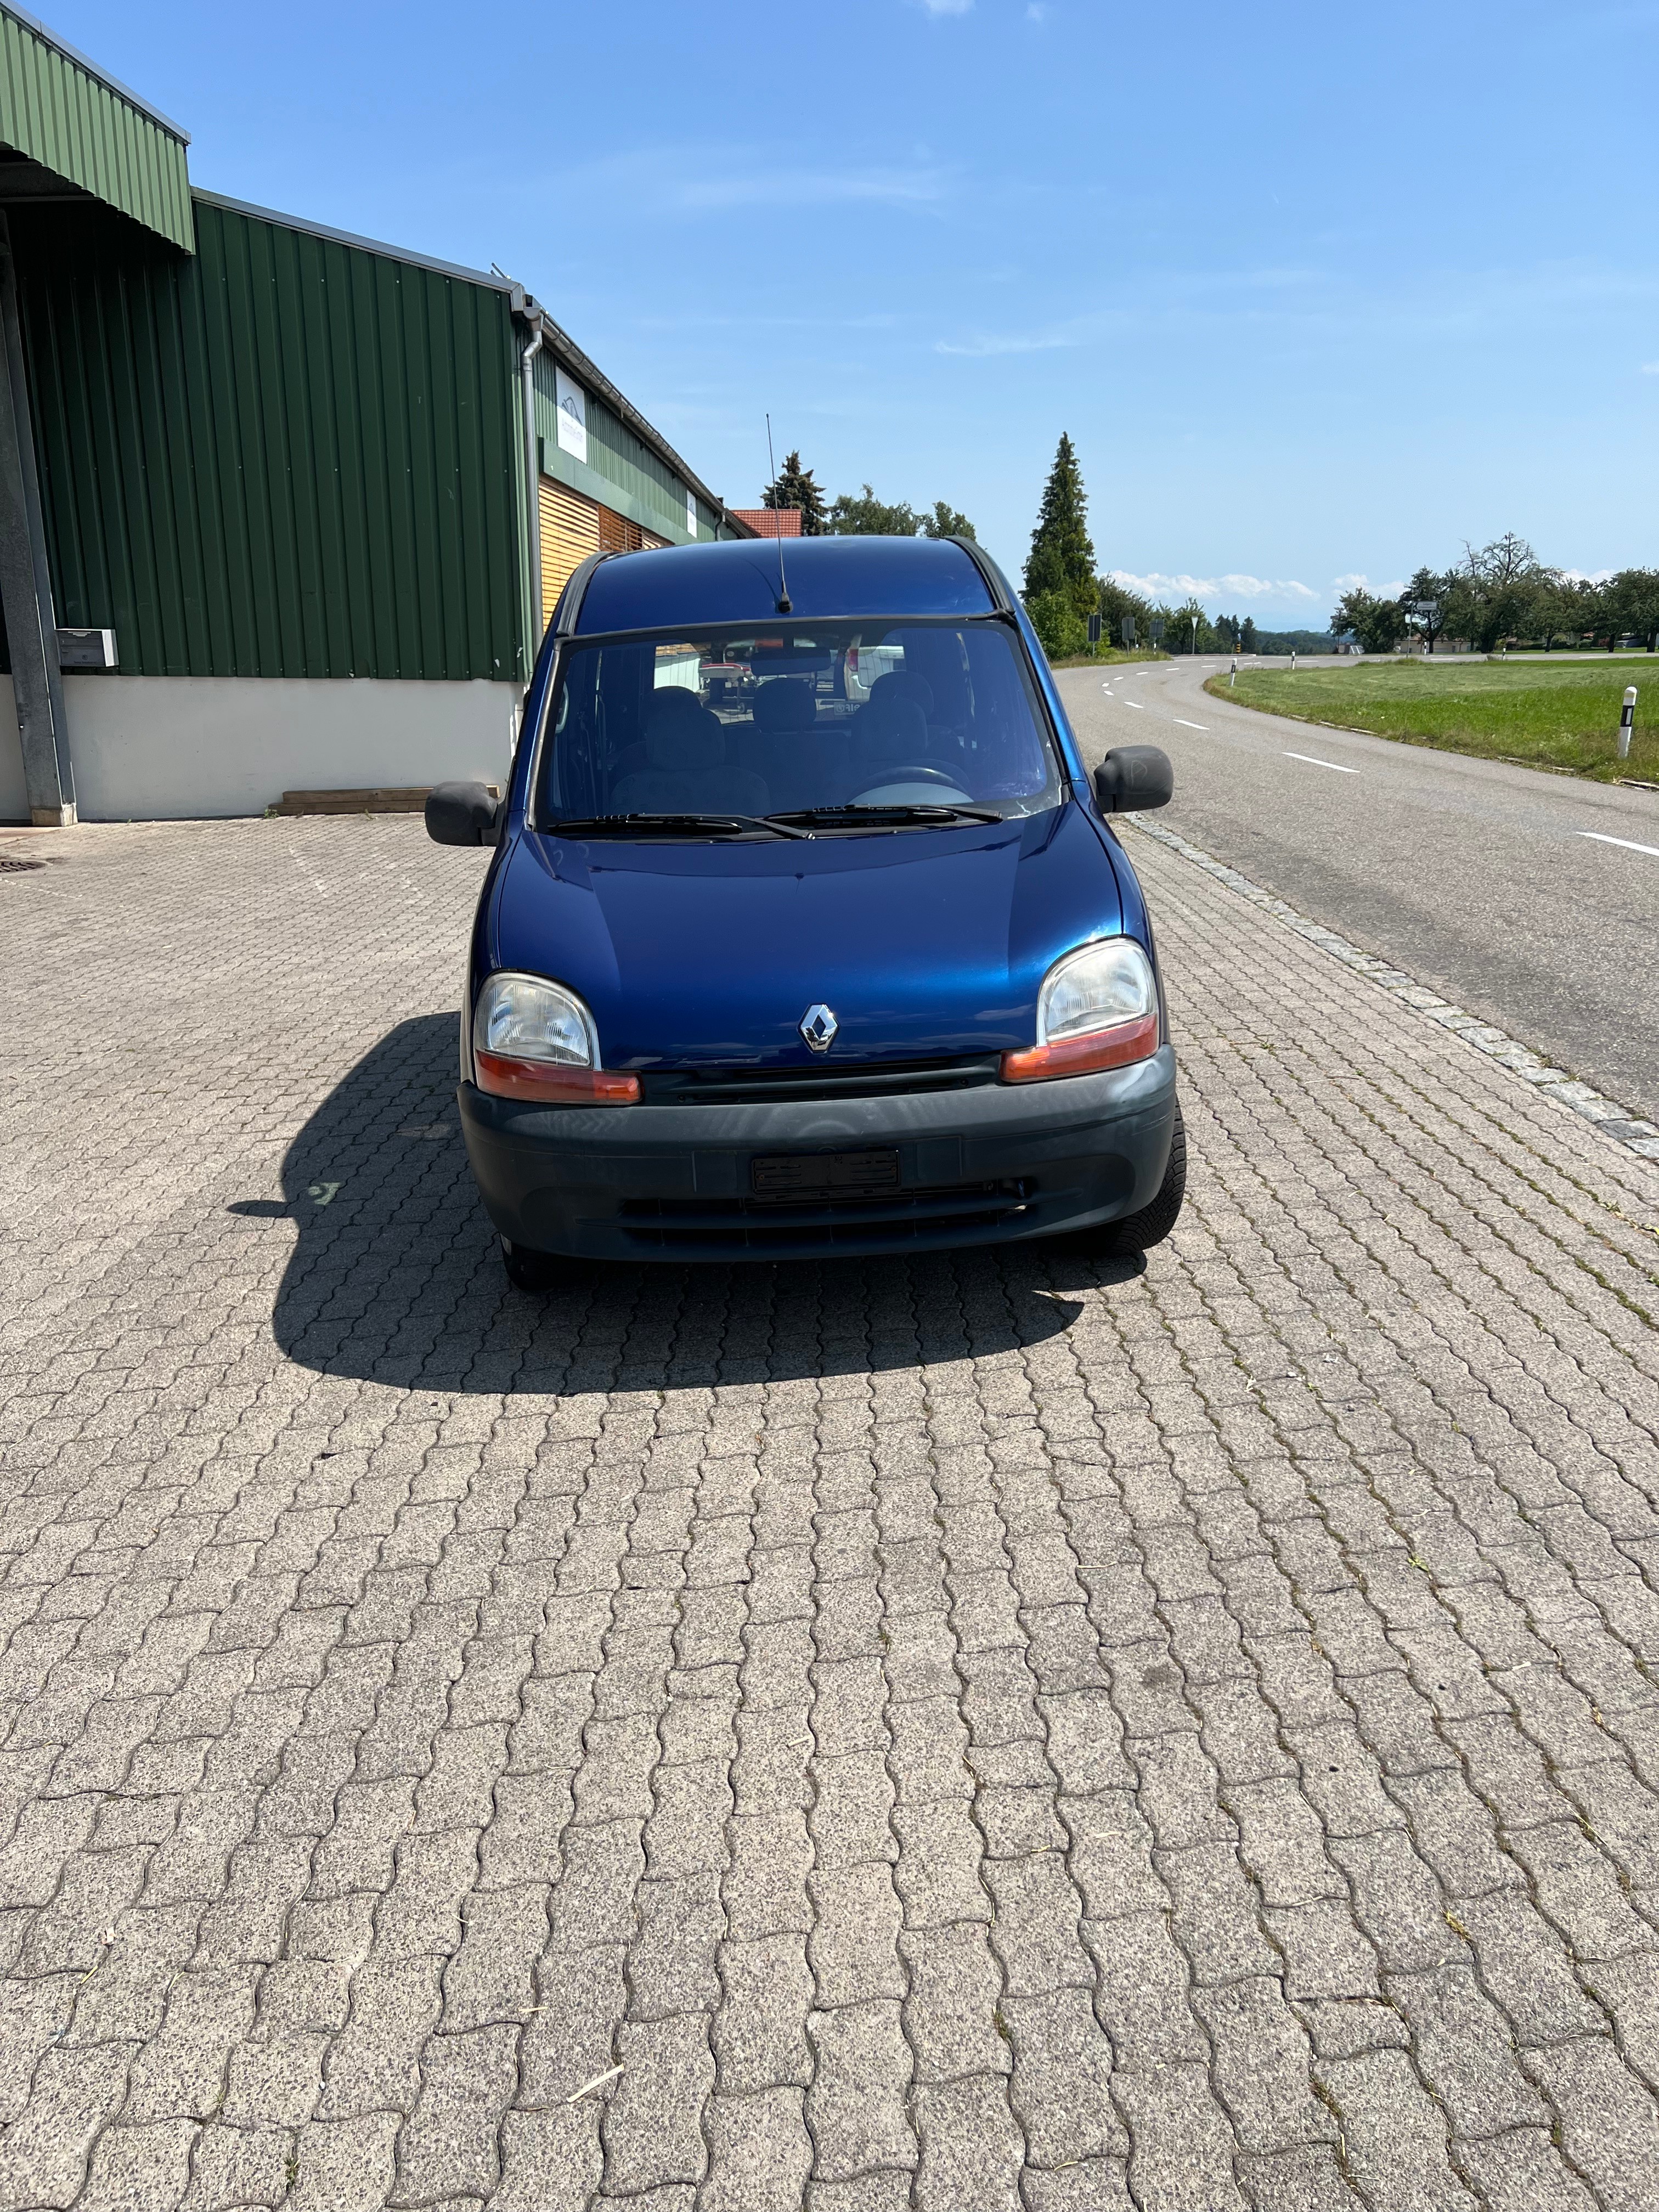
(572, 415)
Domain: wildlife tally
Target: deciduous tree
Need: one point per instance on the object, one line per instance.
(1057, 622)
(864, 515)
(1113, 601)
(1378, 624)
(1423, 602)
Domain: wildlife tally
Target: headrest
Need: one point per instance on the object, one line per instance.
(785, 707)
(901, 684)
(679, 733)
(899, 732)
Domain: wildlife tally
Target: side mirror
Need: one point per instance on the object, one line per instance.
(464, 814)
(1132, 778)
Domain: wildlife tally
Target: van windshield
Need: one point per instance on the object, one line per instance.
(797, 719)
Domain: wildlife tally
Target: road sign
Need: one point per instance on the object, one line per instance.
(1094, 630)
(1127, 630)
(1157, 630)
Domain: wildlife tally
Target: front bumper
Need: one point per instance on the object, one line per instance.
(992, 1164)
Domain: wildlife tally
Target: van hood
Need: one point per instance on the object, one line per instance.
(924, 943)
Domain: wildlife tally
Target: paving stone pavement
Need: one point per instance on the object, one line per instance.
(1003, 1730)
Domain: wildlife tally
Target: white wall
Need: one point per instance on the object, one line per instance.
(164, 748)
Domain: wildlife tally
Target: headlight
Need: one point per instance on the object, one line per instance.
(533, 1039)
(1097, 1008)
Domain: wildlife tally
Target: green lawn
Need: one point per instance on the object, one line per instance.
(1541, 714)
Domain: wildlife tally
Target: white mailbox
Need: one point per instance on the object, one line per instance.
(80, 650)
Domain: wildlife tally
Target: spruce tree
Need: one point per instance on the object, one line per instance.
(794, 486)
(1062, 558)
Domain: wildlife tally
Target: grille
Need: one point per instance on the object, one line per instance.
(19, 867)
(767, 1226)
(749, 1086)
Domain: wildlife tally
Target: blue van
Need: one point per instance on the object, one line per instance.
(807, 933)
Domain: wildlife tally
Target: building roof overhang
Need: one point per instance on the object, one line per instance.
(74, 131)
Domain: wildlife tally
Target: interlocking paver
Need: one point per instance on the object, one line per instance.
(1012, 1729)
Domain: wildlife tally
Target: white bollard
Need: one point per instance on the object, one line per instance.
(1625, 721)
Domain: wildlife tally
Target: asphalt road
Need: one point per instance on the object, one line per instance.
(1495, 884)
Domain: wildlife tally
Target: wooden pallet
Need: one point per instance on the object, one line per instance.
(410, 800)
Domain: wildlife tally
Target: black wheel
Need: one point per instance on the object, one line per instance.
(535, 1272)
(1138, 1232)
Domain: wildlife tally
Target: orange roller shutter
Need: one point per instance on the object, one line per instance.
(570, 532)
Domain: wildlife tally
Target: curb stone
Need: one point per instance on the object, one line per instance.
(1613, 1119)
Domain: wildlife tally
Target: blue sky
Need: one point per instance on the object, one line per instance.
(1318, 292)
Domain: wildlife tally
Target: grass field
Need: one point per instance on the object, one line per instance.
(1540, 714)
(1106, 656)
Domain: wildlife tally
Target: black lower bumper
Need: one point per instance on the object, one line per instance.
(986, 1165)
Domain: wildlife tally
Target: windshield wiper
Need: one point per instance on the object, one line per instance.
(672, 825)
(923, 814)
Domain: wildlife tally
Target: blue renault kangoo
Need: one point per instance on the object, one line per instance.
(807, 933)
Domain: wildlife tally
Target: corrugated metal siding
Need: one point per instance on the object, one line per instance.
(287, 456)
(621, 469)
(75, 126)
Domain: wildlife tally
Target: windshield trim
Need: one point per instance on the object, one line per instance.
(565, 643)
(675, 631)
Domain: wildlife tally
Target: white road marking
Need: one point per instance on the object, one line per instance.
(1627, 843)
(1313, 763)
(1192, 726)
(1135, 703)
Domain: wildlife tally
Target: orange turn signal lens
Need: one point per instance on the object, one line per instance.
(553, 1084)
(1118, 1047)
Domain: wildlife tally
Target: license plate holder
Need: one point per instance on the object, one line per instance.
(809, 1177)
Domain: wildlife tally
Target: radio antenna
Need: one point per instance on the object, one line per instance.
(784, 606)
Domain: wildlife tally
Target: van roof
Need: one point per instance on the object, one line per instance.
(827, 577)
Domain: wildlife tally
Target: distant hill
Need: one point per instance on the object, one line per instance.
(1295, 641)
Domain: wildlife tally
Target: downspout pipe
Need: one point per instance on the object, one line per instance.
(532, 315)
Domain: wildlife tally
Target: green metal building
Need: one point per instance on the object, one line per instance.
(279, 507)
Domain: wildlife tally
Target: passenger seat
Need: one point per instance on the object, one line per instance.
(803, 759)
(686, 769)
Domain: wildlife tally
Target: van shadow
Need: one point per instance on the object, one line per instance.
(396, 1277)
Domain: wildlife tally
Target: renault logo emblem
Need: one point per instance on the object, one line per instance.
(818, 1026)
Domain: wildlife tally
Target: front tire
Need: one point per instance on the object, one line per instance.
(536, 1272)
(1138, 1232)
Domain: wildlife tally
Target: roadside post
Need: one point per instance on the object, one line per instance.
(1624, 721)
(1195, 637)
(1126, 631)
(1232, 673)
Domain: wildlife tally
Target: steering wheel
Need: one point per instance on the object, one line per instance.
(914, 772)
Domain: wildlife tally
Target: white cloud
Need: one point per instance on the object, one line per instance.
(1362, 583)
(783, 187)
(1650, 368)
(1011, 342)
(1233, 590)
